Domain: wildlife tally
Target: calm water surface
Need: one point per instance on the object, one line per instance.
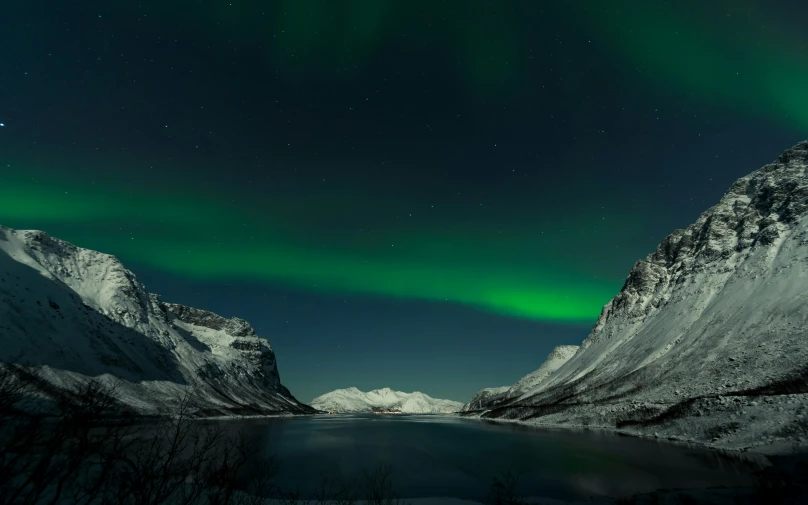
(454, 457)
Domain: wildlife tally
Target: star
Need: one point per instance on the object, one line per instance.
(2, 124)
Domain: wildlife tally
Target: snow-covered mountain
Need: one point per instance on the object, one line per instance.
(557, 357)
(708, 338)
(80, 313)
(383, 400)
(485, 397)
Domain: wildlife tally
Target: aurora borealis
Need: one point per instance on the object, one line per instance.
(362, 179)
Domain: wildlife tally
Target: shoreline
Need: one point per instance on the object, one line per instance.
(762, 452)
(768, 425)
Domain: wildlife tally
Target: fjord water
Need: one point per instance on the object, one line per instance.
(448, 456)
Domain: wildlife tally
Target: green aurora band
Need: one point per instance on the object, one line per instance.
(760, 72)
(192, 237)
(760, 68)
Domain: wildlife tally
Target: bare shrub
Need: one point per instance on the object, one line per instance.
(379, 486)
(503, 490)
(86, 448)
(82, 446)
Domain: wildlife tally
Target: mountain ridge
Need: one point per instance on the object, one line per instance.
(350, 400)
(77, 313)
(712, 318)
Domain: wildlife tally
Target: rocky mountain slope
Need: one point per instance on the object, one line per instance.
(708, 338)
(79, 313)
(383, 400)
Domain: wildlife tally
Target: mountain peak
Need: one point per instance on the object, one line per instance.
(717, 310)
(384, 399)
(84, 314)
(799, 152)
(756, 212)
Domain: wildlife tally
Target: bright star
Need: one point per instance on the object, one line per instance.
(2, 124)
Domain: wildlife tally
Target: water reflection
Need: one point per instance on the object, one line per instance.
(451, 456)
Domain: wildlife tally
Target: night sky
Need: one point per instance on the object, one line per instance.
(422, 195)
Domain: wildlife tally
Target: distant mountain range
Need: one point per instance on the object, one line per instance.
(708, 338)
(352, 400)
(79, 313)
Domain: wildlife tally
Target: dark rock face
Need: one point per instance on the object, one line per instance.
(232, 326)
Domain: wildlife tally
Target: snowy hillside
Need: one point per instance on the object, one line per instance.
(708, 339)
(383, 400)
(534, 380)
(80, 314)
(485, 397)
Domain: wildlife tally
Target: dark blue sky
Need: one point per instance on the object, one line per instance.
(417, 195)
